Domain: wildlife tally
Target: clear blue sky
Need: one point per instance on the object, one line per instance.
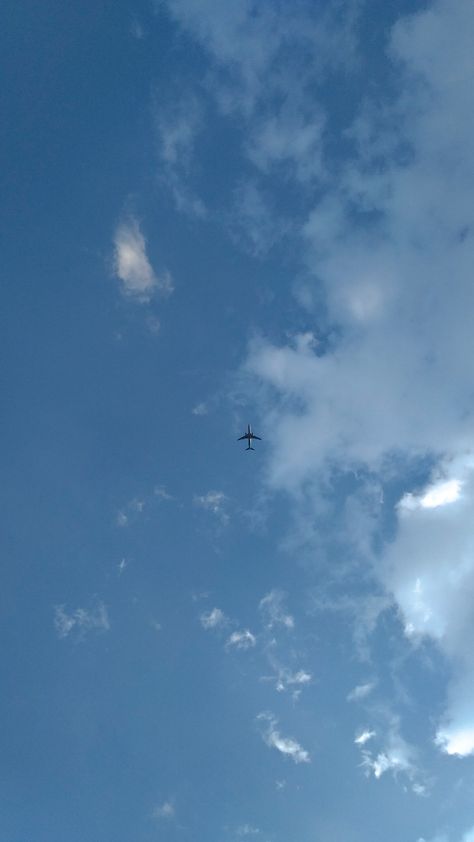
(216, 213)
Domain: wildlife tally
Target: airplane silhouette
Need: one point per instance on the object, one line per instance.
(249, 436)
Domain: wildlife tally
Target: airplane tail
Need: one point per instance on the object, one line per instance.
(250, 448)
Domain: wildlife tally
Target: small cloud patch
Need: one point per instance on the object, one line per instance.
(164, 811)
(241, 640)
(132, 266)
(213, 619)
(285, 745)
(273, 612)
(81, 620)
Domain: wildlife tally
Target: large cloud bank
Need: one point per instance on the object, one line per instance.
(390, 371)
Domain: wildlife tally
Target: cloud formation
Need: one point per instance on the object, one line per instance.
(81, 620)
(213, 619)
(429, 568)
(285, 745)
(213, 501)
(385, 377)
(241, 640)
(132, 265)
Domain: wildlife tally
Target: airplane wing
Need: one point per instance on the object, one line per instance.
(242, 437)
(255, 437)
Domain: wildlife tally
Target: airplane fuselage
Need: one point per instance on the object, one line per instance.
(248, 436)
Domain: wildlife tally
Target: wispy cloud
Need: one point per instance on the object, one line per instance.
(361, 692)
(247, 830)
(164, 811)
(213, 619)
(178, 124)
(161, 493)
(123, 563)
(394, 755)
(285, 745)
(213, 501)
(241, 640)
(81, 620)
(286, 679)
(273, 612)
(200, 409)
(132, 265)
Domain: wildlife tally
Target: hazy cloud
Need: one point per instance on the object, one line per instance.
(360, 692)
(200, 409)
(272, 609)
(164, 811)
(213, 619)
(81, 620)
(241, 640)
(213, 501)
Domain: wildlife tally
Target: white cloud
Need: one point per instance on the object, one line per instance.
(285, 745)
(429, 568)
(213, 501)
(213, 619)
(437, 494)
(271, 607)
(247, 830)
(241, 640)
(383, 244)
(285, 679)
(360, 692)
(392, 248)
(133, 267)
(364, 737)
(81, 620)
(299, 677)
(394, 755)
(164, 811)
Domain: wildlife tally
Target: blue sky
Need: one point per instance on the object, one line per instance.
(214, 214)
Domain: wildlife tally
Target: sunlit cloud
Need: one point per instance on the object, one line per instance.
(364, 737)
(285, 745)
(133, 267)
(456, 741)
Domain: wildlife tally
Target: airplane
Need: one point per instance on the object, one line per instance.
(249, 436)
